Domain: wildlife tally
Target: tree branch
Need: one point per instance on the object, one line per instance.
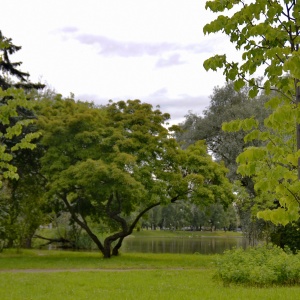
(82, 224)
(50, 241)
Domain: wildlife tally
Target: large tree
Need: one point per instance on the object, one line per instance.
(113, 164)
(226, 104)
(18, 136)
(267, 32)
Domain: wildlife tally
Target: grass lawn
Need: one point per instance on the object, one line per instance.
(83, 275)
(44, 259)
(179, 234)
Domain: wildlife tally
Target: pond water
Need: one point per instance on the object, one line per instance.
(203, 245)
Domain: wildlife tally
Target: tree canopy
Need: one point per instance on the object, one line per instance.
(226, 104)
(15, 110)
(113, 164)
(20, 194)
(267, 33)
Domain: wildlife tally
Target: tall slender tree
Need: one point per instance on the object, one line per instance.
(18, 136)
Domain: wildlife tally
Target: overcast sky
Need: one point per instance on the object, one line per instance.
(118, 49)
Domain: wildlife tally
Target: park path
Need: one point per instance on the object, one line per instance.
(83, 270)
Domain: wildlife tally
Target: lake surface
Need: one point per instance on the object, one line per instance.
(203, 245)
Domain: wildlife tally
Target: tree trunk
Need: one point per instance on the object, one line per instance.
(106, 251)
(116, 248)
(83, 224)
(27, 242)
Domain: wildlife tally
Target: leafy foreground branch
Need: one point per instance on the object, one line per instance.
(259, 266)
(111, 165)
(267, 34)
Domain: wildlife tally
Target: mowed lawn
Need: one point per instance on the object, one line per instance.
(40, 274)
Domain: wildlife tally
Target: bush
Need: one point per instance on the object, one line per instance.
(287, 236)
(259, 266)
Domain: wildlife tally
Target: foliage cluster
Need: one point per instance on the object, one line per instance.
(113, 164)
(20, 195)
(226, 105)
(259, 266)
(183, 215)
(12, 135)
(273, 164)
(287, 236)
(14, 110)
(105, 165)
(267, 32)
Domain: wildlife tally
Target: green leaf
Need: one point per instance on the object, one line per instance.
(292, 64)
(238, 84)
(252, 136)
(253, 92)
(214, 62)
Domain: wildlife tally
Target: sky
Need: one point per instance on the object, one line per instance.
(118, 49)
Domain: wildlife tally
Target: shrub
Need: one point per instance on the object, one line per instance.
(287, 236)
(259, 266)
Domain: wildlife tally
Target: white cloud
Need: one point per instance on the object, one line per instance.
(173, 60)
(107, 46)
(120, 49)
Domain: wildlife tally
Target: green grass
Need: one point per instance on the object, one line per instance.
(150, 284)
(178, 234)
(44, 259)
(130, 276)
